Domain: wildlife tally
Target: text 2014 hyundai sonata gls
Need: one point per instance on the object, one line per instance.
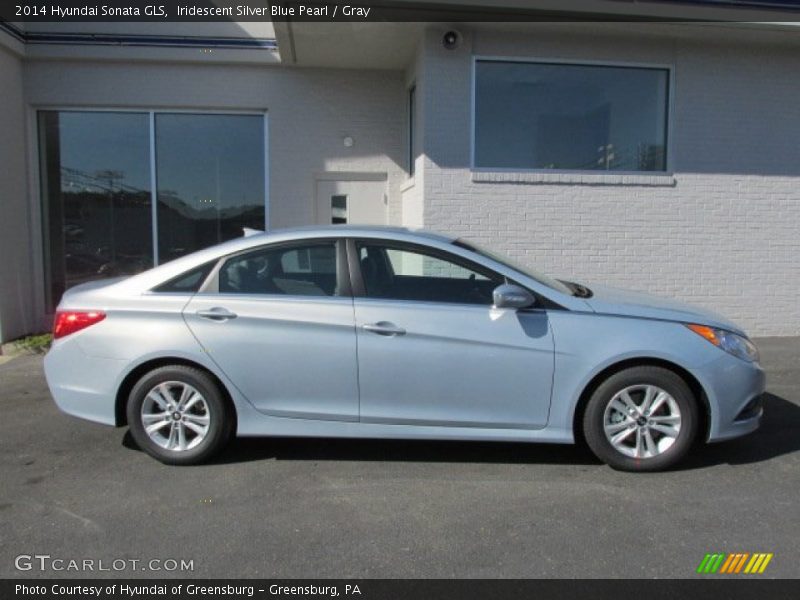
(390, 333)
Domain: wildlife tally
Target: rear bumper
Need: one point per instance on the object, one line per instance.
(83, 386)
(734, 389)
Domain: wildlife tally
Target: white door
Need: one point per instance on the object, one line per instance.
(356, 202)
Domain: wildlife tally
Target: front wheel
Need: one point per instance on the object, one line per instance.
(178, 415)
(641, 419)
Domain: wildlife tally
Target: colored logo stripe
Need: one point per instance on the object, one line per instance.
(740, 562)
(710, 563)
(736, 563)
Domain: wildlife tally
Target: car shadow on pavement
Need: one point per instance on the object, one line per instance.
(777, 436)
(309, 449)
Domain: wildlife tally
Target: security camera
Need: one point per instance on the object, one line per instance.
(451, 40)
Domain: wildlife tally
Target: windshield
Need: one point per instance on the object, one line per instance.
(507, 262)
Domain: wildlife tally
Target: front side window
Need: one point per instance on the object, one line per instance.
(415, 274)
(570, 117)
(307, 270)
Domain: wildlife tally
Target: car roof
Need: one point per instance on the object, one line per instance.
(308, 231)
(174, 268)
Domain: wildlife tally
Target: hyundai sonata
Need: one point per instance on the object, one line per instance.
(366, 332)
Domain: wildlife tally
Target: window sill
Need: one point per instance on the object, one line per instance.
(574, 178)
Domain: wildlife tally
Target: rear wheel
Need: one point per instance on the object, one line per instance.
(178, 415)
(641, 419)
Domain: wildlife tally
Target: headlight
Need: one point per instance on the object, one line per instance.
(732, 343)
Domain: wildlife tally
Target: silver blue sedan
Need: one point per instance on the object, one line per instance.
(366, 332)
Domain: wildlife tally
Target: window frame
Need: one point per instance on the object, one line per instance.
(359, 289)
(668, 129)
(411, 117)
(343, 279)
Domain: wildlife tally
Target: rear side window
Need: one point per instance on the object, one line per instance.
(188, 282)
(302, 270)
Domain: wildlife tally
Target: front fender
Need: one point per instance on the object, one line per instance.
(586, 344)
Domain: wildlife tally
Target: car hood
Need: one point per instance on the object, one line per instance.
(609, 300)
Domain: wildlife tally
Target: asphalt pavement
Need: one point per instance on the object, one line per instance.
(290, 508)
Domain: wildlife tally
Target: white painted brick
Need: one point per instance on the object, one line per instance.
(723, 232)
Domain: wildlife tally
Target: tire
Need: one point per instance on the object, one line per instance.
(199, 424)
(617, 410)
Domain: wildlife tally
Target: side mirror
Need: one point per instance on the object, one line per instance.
(512, 296)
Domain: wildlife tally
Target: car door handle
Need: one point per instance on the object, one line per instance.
(216, 314)
(384, 328)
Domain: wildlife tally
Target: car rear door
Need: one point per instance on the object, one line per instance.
(278, 321)
(433, 351)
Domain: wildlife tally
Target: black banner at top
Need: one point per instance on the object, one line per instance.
(396, 10)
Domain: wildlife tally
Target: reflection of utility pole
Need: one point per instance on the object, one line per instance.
(110, 176)
(607, 155)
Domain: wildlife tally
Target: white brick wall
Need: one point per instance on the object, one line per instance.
(723, 232)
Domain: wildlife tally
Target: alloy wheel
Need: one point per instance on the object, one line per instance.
(642, 421)
(175, 416)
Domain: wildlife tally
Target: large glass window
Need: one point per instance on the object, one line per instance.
(570, 117)
(405, 273)
(97, 195)
(210, 174)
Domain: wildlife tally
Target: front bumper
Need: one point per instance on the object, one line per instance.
(734, 389)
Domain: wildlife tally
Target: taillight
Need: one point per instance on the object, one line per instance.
(70, 321)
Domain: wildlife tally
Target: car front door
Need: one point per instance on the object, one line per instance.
(432, 350)
(278, 321)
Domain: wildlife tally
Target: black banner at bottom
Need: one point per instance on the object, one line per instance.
(390, 589)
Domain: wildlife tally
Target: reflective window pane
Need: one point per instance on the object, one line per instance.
(417, 275)
(95, 180)
(571, 117)
(189, 282)
(308, 270)
(210, 174)
(339, 209)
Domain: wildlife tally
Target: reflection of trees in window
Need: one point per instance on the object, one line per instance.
(210, 173)
(103, 220)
